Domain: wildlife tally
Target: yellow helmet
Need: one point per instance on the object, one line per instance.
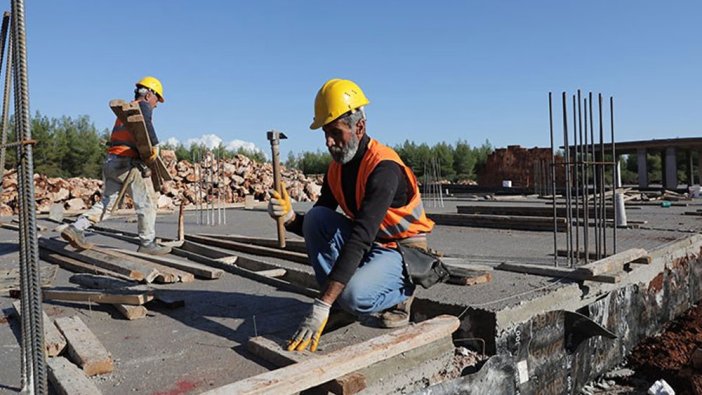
(334, 99)
(154, 84)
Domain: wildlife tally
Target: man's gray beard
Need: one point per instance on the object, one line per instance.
(344, 155)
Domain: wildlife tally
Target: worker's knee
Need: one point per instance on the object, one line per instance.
(356, 300)
(315, 219)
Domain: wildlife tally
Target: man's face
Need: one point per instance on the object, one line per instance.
(152, 99)
(342, 140)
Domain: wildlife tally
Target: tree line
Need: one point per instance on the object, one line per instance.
(454, 162)
(74, 147)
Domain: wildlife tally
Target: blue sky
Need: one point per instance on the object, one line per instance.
(434, 71)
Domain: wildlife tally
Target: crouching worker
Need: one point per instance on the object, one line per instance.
(354, 256)
(122, 156)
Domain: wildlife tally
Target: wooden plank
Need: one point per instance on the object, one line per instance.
(612, 263)
(310, 373)
(299, 277)
(250, 249)
(54, 342)
(290, 245)
(131, 312)
(543, 270)
(75, 265)
(272, 272)
(106, 296)
(67, 379)
(522, 210)
(164, 274)
(498, 221)
(83, 347)
(250, 274)
(197, 269)
(95, 257)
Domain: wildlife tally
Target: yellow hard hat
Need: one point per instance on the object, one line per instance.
(334, 99)
(154, 84)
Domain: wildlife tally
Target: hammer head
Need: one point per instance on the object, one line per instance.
(275, 136)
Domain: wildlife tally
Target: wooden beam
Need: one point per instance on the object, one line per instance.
(96, 257)
(250, 249)
(323, 368)
(166, 274)
(498, 221)
(106, 296)
(522, 210)
(67, 379)
(299, 277)
(54, 342)
(612, 263)
(131, 312)
(290, 245)
(83, 347)
(75, 265)
(543, 270)
(197, 269)
(272, 272)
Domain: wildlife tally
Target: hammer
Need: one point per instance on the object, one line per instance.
(274, 137)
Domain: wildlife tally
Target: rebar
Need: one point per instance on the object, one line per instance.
(602, 182)
(31, 295)
(615, 175)
(553, 182)
(4, 42)
(569, 219)
(576, 182)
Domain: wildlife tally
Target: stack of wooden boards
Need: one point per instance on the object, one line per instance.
(517, 217)
(122, 269)
(74, 353)
(131, 116)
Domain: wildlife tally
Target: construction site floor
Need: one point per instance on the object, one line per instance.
(202, 344)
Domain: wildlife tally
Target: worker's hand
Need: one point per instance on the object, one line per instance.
(154, 154)
(311, 328)
(280, 206)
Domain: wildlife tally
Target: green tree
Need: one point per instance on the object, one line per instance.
(443, 153)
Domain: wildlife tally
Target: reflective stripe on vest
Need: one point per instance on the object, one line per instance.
(398, 223)
(122, 141)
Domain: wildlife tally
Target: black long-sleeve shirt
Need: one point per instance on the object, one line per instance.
(147, 112)
(386, 187)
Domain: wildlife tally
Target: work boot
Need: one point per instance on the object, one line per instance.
(397, 316)
(154, 249)
(76, 238)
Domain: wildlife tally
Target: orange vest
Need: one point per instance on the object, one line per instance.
(398, 223)
(122, 141)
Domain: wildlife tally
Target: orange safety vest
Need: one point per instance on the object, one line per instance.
(122, 141)
(398, 223)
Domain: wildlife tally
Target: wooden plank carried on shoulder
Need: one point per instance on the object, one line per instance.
(313, 372)
(67, 379)
(54, 342)
(83, 347)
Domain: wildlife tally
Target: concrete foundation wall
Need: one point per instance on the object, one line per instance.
(555, 353)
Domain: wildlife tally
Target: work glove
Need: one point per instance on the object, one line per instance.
(154, 154)
(311, 328)
(280, 206)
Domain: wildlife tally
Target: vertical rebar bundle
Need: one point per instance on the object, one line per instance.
(34, 369)
(584, 184)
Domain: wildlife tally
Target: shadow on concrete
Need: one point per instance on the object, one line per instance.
(8, 248)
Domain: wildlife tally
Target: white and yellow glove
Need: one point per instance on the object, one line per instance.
(154, 154)
(280, 206)
(311, 328)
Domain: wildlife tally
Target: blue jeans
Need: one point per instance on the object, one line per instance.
(379, 282)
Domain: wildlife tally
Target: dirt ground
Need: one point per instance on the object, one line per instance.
(665, 356)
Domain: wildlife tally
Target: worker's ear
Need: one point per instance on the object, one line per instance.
(360, 128)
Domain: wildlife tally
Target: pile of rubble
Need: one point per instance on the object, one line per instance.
(225, 181)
